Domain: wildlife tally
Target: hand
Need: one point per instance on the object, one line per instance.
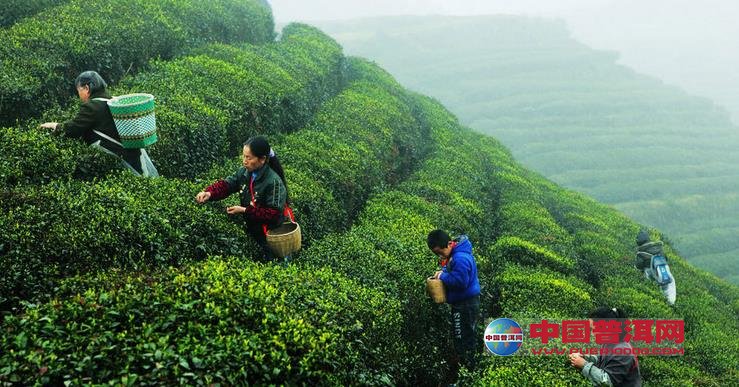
(50, 125)
(577, 361)
(236, 210)
(437, 275)
(202, 197)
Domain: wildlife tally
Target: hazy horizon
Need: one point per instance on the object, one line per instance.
(681, 42)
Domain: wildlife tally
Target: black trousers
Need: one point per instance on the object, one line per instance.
(464, 330)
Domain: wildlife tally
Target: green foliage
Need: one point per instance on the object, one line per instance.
(517, 250)
(673, 371)
(661, 156)
(522, 211)
(64, 228)
(246, 90)
(196, 124)
(13, 10)
(42, 55)
(221, 321)
(31, 155)
(315, 205)
(371, 169)
(556, 295)
(525, 371)
(531, 221)
(351, 145)
(637, 296)
(386, 248)
(710, 324)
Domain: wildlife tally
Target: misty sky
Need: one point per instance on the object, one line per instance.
(692, 44)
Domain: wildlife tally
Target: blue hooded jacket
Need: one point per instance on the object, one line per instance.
(460, 274)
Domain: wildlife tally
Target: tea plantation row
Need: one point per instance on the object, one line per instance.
(42, 55)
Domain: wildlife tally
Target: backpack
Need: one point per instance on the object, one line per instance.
(660, 269)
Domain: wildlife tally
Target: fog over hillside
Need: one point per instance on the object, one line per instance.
(686, 43)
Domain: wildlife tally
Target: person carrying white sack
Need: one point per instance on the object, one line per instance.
(94, 125)
(651, 259)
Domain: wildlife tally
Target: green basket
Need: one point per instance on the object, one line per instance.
(134, 119)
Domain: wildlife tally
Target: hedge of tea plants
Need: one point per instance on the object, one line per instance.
(42, 55)
(68, 226)
(206, 108)
(222, 321)
(386, 249)
(234, 93)
(31, 156)
(13, 10)
(350, 148)
(364, 349)
(104, 264)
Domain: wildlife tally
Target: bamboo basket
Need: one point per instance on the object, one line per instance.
(285, 239)
(435, 289)
(134, 119)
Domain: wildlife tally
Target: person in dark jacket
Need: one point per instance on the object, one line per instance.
(462, 286)
(94, 125)
(262, 190)
(646, 250)
(609, 369)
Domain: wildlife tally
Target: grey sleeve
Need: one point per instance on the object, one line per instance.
(596, 375)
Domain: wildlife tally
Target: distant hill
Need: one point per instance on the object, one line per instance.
(663, 157)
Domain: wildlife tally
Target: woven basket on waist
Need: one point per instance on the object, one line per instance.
(435, 289)
(134, 119)
(285, 239)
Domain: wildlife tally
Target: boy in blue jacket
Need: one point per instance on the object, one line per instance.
(462, 291)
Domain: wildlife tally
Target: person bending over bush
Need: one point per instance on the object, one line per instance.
(94, 125)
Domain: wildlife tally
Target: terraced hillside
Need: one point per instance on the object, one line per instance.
(661, 156)
(113, 279)
(41, 55)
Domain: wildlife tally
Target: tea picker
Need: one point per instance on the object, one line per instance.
(650, 258)
(122, 126)
(264, 202)
(457, 284)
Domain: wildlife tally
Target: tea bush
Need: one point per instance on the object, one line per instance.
(250, 86)
(386, 248)
(368, 121)
(25, 157)
(196, 124)
(641, 299)
(555, 295)
(220, 321)
(517, 250)
(525, 371)
(42, 55)
(66, 228)
(162, 225)
(673, 371)
(13, 10)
